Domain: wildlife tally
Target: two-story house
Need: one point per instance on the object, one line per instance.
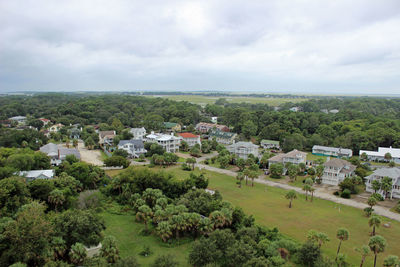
(56, 128)
(243, 149)
(169, 142)
(222, 137)
(336, 170)
(205, 127)
(336, 152)
(172, 126)
(393, 173)
(134, 147)
(295, 157)
(269, 144)
(138, 133)
(190, 139)
(106, 137)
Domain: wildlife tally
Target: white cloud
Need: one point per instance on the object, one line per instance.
(283, 45)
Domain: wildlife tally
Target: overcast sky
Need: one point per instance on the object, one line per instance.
(326, 47)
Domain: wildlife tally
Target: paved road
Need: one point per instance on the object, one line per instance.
(349, 202)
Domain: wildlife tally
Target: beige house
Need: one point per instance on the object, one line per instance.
(106, 137)
(294, 157)
(336, 170)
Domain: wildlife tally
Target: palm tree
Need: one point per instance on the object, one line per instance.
(75, 143)
(164, 230)
(217, 219)
(144, 214)
(312, 190)
(77, 253)
(205, 226)
(342, 234)
(246, 173)
(318, 237)
(240, 177)
(59, 247)
(377, 245)
(253, 175)
(391, 260)
(388, 156)
(341, 260)
(376, 185)
(67, 143)
(178, 223)
(191, 161)
(371, 201)
(306, 187)
(374, 222)
(291, 195)
(364, 251)
(56, 197)
(386, 185)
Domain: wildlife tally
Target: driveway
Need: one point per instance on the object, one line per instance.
(90, 156)
(319, 193)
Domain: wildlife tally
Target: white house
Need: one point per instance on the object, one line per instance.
(336, 170)
(134, 147)
(138, 133)
(332, 151)
(37, 174)
(214, 119)
(295, 109)
(18, 119)
(190, 139)
(268, 144)
(170, 143)
(393, 173)
(243, 149)
(380, 154)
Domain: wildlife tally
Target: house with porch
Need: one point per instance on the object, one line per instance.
(169, 142)
(269, 144)
(336, 170)
(205, 127)
(336, 152)
(190, 139)
(18, 119)
(138, 133)
(55, 128)
(243, 149)
(172, 126)
(380, 154)
(392, 173)
(134, 147)
(106, 137)
(295, 157)
(222, 137)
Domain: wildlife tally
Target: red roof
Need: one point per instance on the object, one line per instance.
(44, 119)
(188, 135)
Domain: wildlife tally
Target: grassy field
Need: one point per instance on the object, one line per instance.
(270, 208)
(203, 100)
(130, 242)
(312, 157)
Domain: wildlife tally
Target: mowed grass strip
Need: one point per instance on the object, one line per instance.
(130, 242)
(203, 100)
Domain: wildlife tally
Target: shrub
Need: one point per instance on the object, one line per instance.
(336, 193)
(146, 251)
(346, 193)
(116, 161)
(378, 196)
(368, 211)
(186, 167)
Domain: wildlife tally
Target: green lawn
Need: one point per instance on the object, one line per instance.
(203, 100)
(312, 157)
(130, 242)
(270, 208)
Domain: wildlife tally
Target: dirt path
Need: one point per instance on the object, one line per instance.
(90, 156)
(319, 193)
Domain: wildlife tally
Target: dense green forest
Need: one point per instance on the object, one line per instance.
(361, 123)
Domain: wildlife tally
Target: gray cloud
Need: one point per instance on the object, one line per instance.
(272, 46)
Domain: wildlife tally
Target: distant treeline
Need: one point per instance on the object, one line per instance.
(361, 122)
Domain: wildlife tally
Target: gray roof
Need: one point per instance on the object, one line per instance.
(264, 141)
(69, 151)
(334, 149)
(243, 144)
(136, 142)
(390, 172)
(41, 174)
(50, 149)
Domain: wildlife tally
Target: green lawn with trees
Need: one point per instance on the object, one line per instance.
(131, 241)
(271, 208)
